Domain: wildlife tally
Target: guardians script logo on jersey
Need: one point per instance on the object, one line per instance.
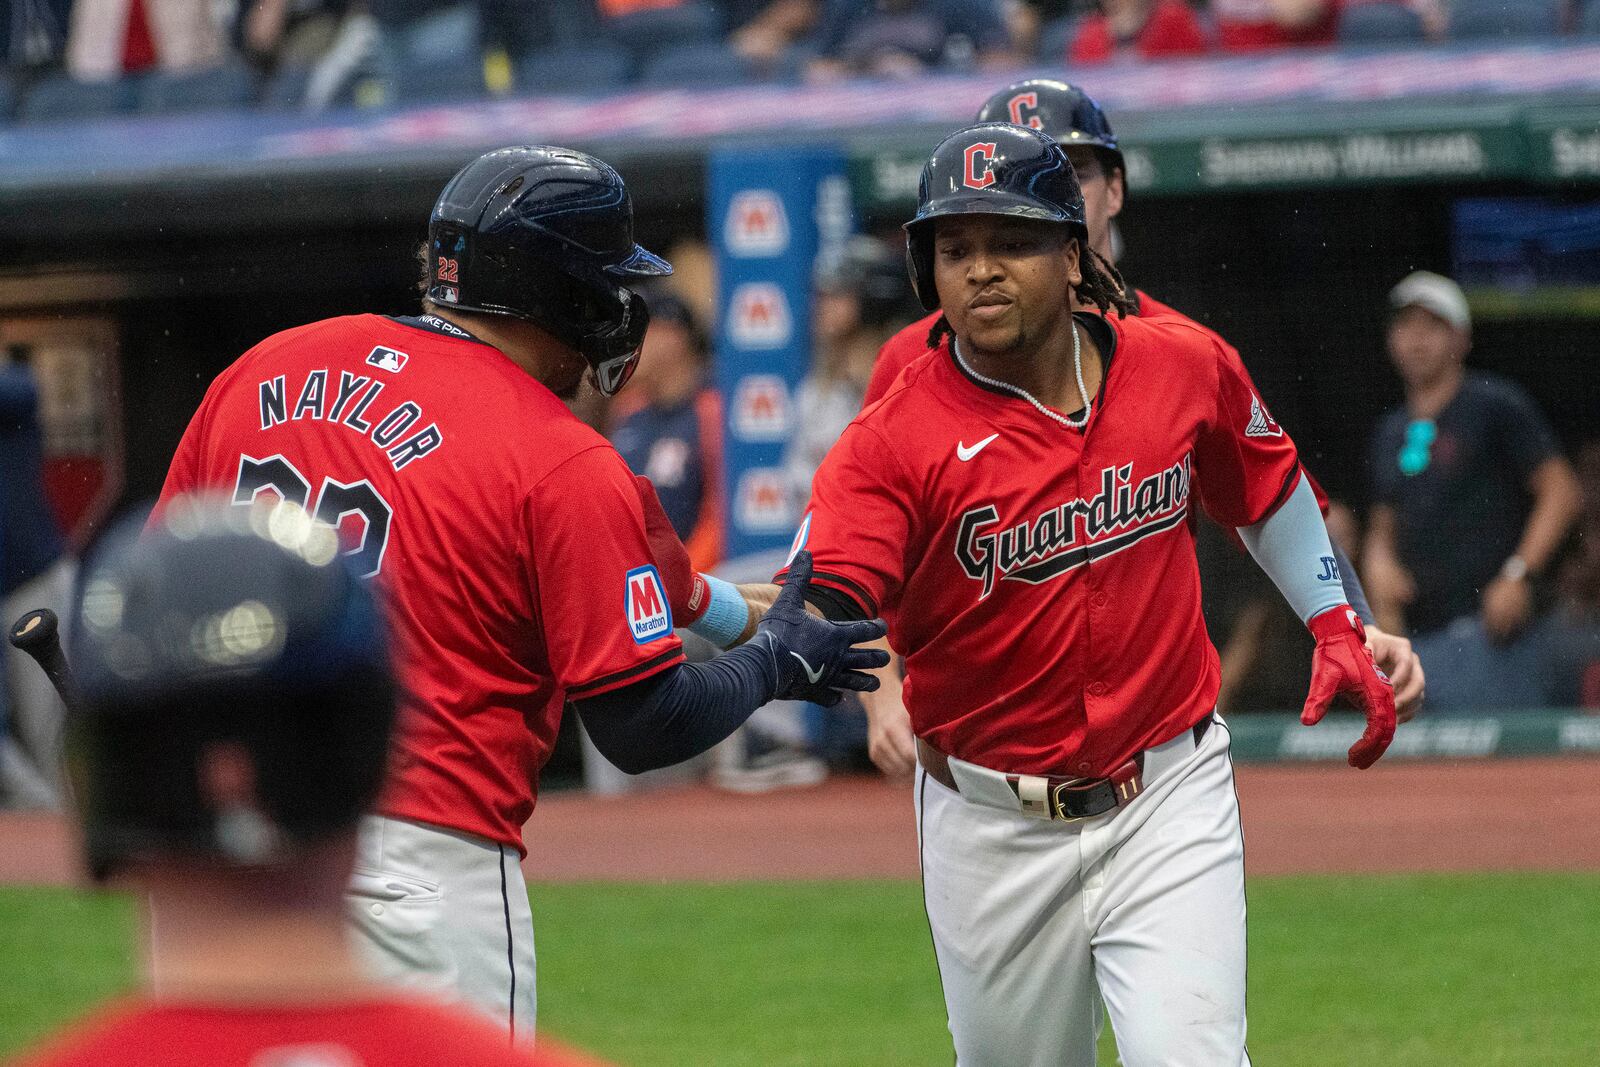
(649, 617)
(1035, 550)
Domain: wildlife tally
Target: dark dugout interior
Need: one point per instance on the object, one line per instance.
(1297, 281)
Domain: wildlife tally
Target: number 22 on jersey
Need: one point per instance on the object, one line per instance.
(335, 502)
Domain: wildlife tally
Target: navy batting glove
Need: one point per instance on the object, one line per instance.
(814, 658)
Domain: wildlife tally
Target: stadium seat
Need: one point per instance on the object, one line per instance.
(572, 25)
(459, 79)
(1476, 20)
(1379, 23)
(454, 35)
(205, 90)
(286, 89)
(646, 33)
(64, 99)
(573, 70)
(1589, 20)
(696, 66)
(1055, 36)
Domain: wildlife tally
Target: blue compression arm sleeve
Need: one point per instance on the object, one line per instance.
(681, 712)
(1292, 546)
(1354, 595)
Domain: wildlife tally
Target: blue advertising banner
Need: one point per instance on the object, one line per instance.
(772, 213)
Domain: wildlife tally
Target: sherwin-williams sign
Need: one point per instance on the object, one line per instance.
(1549, 146)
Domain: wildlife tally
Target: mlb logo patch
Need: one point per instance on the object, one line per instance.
(388, 359)
(649, 616)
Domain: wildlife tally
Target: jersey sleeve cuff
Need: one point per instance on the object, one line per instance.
(841, 585)
(1291, 481)
(628, 675)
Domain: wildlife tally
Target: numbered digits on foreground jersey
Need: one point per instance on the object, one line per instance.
(355, 510)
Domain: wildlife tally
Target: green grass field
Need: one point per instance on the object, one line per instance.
(1400, 971)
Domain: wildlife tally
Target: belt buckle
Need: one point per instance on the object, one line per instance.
(1058, 790)
(1126, 782)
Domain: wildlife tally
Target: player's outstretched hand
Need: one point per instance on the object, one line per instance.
(1396, 658)
(687, 594)
(814, 658)
(1342, 664)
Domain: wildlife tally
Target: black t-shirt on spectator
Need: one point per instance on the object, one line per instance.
(1462, 510)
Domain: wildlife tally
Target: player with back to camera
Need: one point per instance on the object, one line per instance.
(513, 547)
(1077, 122)
(1033, 555)
(234, 709)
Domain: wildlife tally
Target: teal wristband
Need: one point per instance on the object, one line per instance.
(726, 616)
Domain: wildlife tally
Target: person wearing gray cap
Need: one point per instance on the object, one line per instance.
(1471, 499)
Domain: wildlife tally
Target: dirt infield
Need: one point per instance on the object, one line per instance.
(1527, 814)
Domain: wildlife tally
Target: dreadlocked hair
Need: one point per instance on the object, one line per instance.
(1102, 286)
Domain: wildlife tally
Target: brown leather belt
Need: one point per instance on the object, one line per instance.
(1056, 796)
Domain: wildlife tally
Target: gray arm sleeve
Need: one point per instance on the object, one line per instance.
(1291, 545)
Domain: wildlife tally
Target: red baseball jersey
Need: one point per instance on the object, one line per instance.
(899, 351)
(361, 1033)
(506, 536)
(907, 344)
(1041, 581)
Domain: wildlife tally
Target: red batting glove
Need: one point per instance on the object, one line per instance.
(687, 592)
(1342, 664)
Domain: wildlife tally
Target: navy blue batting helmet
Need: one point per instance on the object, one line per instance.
(993, 168)
(236, 628)
(546, 234)
(1057, 110)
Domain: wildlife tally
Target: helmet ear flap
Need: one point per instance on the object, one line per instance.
(919, 264)
(613, 354)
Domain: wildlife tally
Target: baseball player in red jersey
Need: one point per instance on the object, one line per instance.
(229, 724)
(1034, 558)
(510, 542)
(1078, 123)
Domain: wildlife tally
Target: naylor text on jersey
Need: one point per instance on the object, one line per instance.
(351, 400)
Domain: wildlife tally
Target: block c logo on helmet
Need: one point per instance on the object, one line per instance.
(1029, 117)
(980, 165)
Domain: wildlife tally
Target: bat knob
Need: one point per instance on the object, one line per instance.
(36, 629)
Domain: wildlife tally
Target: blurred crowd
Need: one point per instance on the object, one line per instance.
(1480, 538)
(69, 59)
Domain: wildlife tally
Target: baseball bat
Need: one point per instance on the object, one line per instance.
(38, 633)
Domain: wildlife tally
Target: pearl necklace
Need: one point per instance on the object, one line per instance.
(1017, 390)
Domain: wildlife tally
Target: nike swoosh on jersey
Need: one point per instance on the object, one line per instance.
(815, 676)
(965, 453)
